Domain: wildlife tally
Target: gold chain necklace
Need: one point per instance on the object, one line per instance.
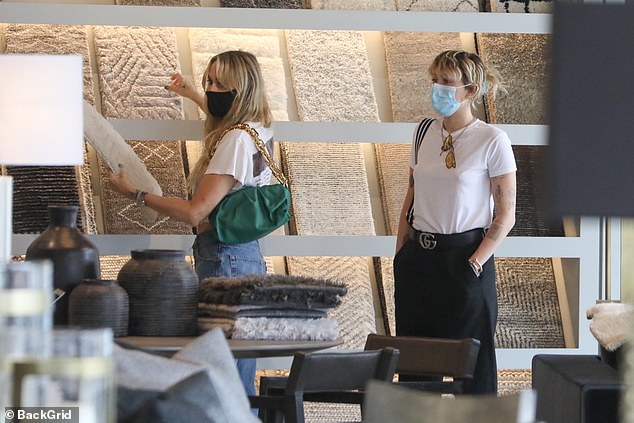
(447, 144)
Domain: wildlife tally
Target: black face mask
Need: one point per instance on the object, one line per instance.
(219, 103)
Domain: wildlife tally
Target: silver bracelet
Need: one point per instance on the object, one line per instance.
(475, 266)
(139, 198)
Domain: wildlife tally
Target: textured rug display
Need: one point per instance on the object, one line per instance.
(521, 6)
(393, 170)
(532, 191)
(330, 71)
(133, 65)
(37, 187)
(268, 4)
(384, 271)
(111, 265)
(438, 5)
(408, 56)
(355, 314)
(329, 188)
(264, 44)
(523, 62)
(353, 4)
(529, 314)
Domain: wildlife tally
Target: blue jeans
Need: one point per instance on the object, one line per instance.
(213, 259)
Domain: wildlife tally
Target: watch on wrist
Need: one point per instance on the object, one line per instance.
(139, 198)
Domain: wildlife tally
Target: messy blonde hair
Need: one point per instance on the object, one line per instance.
(240, 72)
(471, 70)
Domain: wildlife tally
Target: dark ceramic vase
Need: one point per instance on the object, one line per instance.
(74, 257)
(99, 303)
(162, 289)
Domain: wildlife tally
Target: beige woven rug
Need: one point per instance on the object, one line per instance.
(134, 64)
(393, 170)
(330, 71)
(408, 56)
(521, 6)
(524, 63)
(37, 187)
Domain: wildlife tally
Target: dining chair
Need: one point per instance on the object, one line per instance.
(386, 402)
(319, 377)
(435, 358)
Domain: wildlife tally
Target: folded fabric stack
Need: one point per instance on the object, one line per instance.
(275, 307)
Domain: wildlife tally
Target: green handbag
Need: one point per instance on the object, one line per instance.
(250, 213)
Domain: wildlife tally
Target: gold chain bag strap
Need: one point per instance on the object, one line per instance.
(251, 213)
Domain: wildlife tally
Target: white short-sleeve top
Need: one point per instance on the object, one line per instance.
(455, 200)
(237, 155)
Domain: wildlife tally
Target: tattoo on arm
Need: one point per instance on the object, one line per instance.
(494, 231)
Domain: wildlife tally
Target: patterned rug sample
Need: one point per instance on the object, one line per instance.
(266, 4)
(330, 71)
(523, 62)
(355, 314)
(329, 189)
(528, 307)
(353, 4)
(438, 5)
(531, 219)
(512, 381)
(408, 56)
(37, 187)
(521, 6)
(134, 64)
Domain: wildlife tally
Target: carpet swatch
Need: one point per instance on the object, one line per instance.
(438, 5)
(266, 4)
(37, 187)
(521, 6)
(524, 64)
(393, 169)
(330, 71)
(353, 4)
(329, 188)
(264, 44)
(134, 64)
(355, 314)
(408, 56)
(528, 314)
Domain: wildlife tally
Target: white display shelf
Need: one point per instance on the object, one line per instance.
(225, 17)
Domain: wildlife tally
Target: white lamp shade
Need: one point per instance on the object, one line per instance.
(41, 110)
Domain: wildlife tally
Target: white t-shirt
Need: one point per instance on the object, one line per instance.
(237, 156)
(455, 200)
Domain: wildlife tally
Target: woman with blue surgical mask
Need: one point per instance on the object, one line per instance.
(459, 207)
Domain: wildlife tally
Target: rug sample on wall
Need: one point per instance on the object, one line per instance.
(330, 71)
(532, 192)
(438, 5)
(528, 313)
(266, 4)
(392, 162)
(408, 56)
(523, 62)
(353, 4)
(329, 188)
(134, 65)
(37, 187)
(521, 6)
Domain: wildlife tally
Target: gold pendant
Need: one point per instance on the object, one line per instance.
(450, 160)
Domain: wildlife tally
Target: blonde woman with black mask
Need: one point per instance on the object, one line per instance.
(459, 207)
(233, 93)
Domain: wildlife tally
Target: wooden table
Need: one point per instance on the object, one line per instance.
(241, 348)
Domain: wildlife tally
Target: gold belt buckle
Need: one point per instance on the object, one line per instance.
(427, 241)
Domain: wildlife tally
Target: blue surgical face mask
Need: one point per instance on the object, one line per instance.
(443, 99)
